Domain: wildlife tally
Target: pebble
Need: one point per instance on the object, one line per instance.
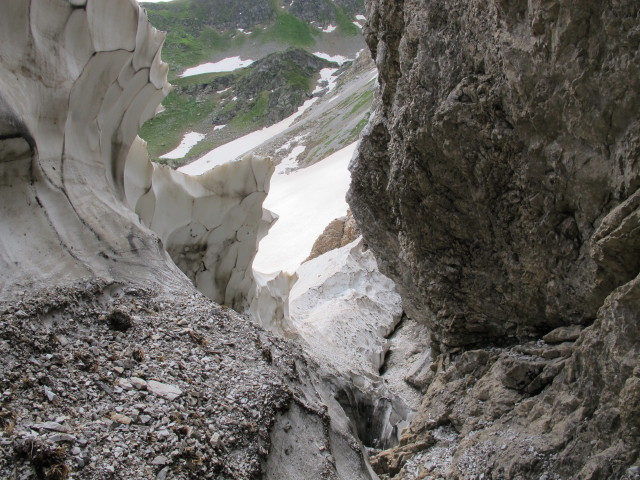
(160, 460)
(123, 419)
(62, 437)
(162, 474)
(164, 390)
(53, 426)
(138, 383)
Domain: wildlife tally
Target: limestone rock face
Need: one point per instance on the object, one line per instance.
(340, 232)
(503, 135)
(497, 184)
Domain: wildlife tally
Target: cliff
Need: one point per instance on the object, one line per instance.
(497, 184)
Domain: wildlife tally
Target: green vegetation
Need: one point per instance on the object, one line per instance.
(361, 100)
(291, 31)
(355, 131)
(164, 132)
(255, 115)
(345, 22)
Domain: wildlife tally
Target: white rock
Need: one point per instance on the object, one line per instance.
(164, 390)
(138, 383)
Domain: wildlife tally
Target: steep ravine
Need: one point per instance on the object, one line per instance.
(113, 365)
(497, 184)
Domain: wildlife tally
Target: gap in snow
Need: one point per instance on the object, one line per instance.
(232, 150)
(306, 201)
(339, 59)
(188, 142)
(228, 64)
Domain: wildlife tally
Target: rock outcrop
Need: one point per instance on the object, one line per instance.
(497, 184)
(339, 233)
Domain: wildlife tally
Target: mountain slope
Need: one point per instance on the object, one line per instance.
(204, 30)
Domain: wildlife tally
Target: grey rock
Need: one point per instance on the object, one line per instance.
(164, 390)
(52, 426)
(162, 474)
(497, 183)
(563, 334)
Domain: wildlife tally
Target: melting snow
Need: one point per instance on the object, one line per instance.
(339, 59)
(290, 160)
(306, 201)
(232, 150)
(357, 24)
(361, 17)
(188, 142)
(326, 75)
(218, 127)
(225, 65)
(329, 29)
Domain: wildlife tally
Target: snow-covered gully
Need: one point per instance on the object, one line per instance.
(338, 306)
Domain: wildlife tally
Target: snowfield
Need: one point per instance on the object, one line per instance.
(234, 149)
(189, 141)
(339, 59)
(306, 201)
(225, 65)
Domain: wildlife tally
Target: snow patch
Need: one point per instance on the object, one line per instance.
(339, 59)
(218, 127)
(289, 161)
(361, 17)
(357, 25)
(329, 29)
(232, 150)
(305, 201)
(188, 142)
(228, 64)
(327, 80)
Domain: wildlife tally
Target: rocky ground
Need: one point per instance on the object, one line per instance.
(107, 381)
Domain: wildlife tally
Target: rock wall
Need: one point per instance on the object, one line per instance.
(497, 184)
(504, 134)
